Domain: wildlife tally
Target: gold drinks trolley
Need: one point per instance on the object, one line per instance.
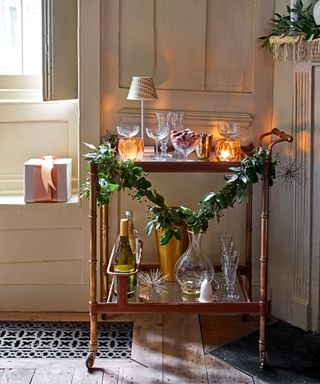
(172, 303)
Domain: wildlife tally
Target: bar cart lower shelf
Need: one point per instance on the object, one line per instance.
(171, 302)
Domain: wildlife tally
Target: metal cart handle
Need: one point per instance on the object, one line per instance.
(275, 131)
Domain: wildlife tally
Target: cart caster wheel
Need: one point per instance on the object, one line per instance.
(263, 359)
(90, 360)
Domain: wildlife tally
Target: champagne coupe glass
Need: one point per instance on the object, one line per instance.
(164, 119)
(228, 130)
(157, 133)
(127, 130)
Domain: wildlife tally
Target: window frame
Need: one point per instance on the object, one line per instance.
(59, 78)
(21, 87)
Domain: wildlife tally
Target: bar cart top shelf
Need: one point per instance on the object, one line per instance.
(193, 164)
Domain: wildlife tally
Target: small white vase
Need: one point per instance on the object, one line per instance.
(206, 293)
(316, 12)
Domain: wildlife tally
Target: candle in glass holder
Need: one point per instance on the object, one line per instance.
(228, 150)
(204, 147)
(130, 148)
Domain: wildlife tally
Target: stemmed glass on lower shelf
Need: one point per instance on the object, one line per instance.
(157, 133)
(230, 258)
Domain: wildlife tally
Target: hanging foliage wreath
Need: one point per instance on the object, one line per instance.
(115, 174)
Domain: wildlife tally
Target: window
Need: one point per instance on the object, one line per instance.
(28, 124)
(20, 49)
(25, 27)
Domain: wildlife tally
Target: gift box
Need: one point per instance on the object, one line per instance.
(47, 180)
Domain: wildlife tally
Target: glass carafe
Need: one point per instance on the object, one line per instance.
(193, 267)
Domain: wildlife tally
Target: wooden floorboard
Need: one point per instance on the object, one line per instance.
(95, 376)
(166, 348)
(183, 356)
(82, 376)
(17, 376)
(53, 376)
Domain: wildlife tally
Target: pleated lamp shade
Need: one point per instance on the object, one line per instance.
(142, 88)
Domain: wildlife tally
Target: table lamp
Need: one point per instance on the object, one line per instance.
(142, 88)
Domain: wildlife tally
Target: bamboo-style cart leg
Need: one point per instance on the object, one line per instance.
(248, 248)
(93, 341)
(249, 242)
(264, 266)
(93, 265)
(104, 253)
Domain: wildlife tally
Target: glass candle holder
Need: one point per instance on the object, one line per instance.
(203, 150)
(130, 148)
(228, 150)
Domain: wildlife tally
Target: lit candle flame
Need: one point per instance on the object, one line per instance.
(225, 154)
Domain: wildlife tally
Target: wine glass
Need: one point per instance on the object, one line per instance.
(177, 120)
(177, 125)
(164, 119)
(157, 132)
(230, 266)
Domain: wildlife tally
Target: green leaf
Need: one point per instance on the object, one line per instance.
(185, 210)
(91, 146)
(177, 234)
(113, 187)
(166, 237)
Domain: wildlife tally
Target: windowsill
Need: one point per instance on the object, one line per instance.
(36, 101)
(19, 200)
(20, 95)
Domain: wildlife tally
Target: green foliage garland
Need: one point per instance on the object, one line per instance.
(115, 174)
(304, 24)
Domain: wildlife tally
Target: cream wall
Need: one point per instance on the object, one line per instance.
(44, 248)
(205, 59)
(294, 225)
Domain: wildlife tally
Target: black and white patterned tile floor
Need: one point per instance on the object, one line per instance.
(63, 340)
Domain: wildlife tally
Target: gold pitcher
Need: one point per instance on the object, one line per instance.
(169, 254)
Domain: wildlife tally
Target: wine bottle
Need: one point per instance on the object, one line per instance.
(132, 233)
(124, 260)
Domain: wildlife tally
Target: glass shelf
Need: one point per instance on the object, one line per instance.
(191, 165)
(173, 294)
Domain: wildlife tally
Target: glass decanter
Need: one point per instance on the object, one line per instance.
(192, 268)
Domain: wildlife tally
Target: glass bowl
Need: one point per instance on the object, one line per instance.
(128, 130)
(184, 141)
(228, 130)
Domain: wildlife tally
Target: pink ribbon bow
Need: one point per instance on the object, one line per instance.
(46, 168)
